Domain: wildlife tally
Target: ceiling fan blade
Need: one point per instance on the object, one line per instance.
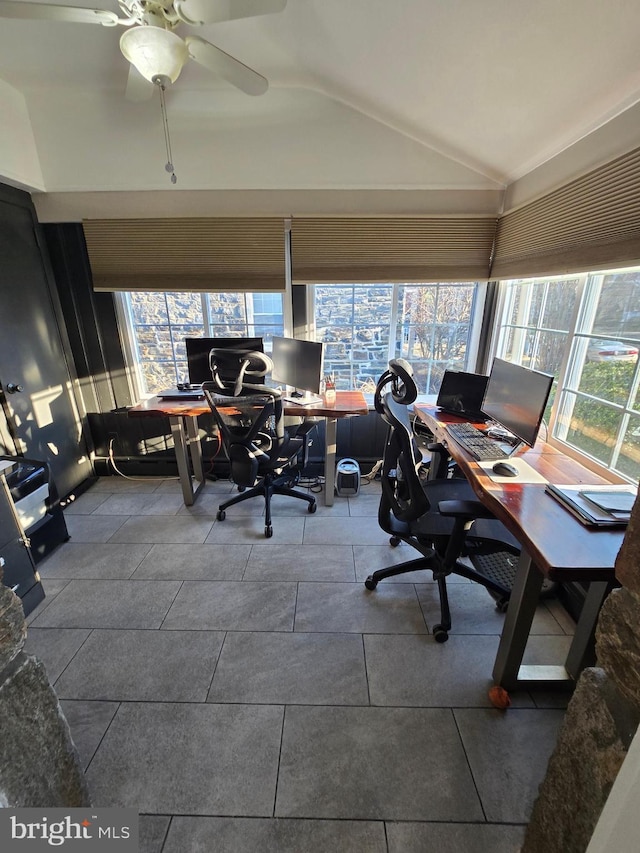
(9, 9)
(138, 87)
(206, 12)
(232, 70)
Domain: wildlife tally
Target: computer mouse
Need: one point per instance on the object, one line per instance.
(503, 469)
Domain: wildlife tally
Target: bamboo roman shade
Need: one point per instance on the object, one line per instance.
(591, 223)
(346, 250)
(207, 254)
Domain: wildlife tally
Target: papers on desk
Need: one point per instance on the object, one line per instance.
(595, 506)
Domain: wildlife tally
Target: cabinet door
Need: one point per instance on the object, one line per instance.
(42, 415)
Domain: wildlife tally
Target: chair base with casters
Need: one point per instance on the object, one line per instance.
(270, 485)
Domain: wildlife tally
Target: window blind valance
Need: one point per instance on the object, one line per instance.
(591, 223)
(346, 250)
(206, 254)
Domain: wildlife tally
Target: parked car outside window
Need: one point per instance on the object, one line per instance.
(611, 351)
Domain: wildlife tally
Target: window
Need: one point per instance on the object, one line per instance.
(585, 330)
(158, 323)
(364, 325)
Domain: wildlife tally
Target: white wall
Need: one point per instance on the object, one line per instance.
(19, 163)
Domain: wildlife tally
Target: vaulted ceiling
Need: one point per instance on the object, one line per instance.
(405, 104)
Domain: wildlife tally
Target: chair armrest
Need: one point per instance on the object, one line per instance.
(464, 509)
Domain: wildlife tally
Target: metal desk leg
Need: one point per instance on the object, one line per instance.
(517, 624)
(195, 448)
(582, 651)
(183, 443)
(330, 431)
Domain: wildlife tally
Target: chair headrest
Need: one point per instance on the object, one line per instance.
(399, 376)
(232, 366)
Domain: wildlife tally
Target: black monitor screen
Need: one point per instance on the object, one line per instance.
(462, 393)
(297, 363)
(516, 398)
(198, 350)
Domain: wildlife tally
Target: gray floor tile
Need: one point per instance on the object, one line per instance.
(364, 505)
(308, 562)
(284, 505)
(338, 607)
(250, 530)
(508, 755)
(152, 831)
(120, 485)
(542, 650)
(54, 646)
(373, 763)
(143, 666)
(370, 558)
(207, 503)
(312, 669)
(163, 530)
(51, 586)
(85, 503)
(473, 611)
(129, 504)
(277, 835)
(417, 671)
(344, 531)
(340, 507)
(93, 560)
(561, 616)
(88, 721)
(189, 759)
(233, 606)
(93, 528)
(109, 604)
(194, 562)
(454, 838)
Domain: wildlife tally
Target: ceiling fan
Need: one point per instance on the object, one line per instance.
(156, 52)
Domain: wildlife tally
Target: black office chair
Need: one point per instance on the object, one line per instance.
(262, 455)
(441, 518)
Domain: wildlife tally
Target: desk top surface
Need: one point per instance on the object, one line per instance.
(346, 403)
(562, 547)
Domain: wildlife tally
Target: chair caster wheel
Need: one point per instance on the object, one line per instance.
(312, 507)
(502, 605)
(268, 532)
(439, 634)
(394, 541)
(221, 515)
(370, 583)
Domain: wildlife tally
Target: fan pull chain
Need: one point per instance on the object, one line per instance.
(167, 138)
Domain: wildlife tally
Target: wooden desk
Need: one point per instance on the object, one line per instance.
(183, 419)
(554, 545)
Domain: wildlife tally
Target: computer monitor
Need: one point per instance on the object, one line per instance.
(198, 350)
(297, 364)
(516, 398)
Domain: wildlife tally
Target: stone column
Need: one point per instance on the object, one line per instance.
(39, 764)
(601, 719)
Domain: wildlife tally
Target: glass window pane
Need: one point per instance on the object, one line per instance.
(618, 308)
(629, 459)
(608, 380)
(594, 428)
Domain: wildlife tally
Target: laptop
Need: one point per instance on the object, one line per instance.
(462, 394)
(185, 394)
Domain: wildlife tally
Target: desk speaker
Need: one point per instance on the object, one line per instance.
(347, 478)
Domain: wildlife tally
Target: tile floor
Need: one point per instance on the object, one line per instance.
(247, 694)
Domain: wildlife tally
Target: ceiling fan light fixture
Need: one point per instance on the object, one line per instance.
(155, 52)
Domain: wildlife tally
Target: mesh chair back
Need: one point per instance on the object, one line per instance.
(402, 492)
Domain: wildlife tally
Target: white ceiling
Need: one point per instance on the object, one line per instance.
(365, 95)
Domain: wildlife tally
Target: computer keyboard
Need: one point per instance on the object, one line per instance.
(480, 446)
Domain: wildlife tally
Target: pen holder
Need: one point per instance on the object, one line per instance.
(329, 388)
